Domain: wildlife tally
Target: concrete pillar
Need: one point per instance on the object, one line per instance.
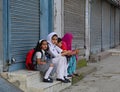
(58, 16)
(87, 29)
(44, 18)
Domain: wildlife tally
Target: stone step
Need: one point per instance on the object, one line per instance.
(56, 86)
(114, 52)
(31, 81)
(22, 78)
(100, 56)
(103, 55)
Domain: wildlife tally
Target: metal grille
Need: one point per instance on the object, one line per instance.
(74, 21)
(105, 25)
(24, 27)
(112, 31)
(95, 26)
(117, 29)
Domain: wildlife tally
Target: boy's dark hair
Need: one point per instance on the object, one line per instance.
(59, 40)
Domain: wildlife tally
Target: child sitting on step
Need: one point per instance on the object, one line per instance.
(42, 63)
(66, 44)
(58, 58)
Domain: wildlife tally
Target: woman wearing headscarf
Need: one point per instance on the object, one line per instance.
(67, 44)
(58, 58)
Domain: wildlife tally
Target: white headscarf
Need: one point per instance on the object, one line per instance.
(49, 38)
(53, 49)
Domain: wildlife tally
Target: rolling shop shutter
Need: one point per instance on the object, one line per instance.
(95, 26)
(24, 29)
(117, 24)
(74, 21)
(105, 25)
(112, 31)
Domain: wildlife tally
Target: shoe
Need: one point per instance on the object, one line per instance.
(75, 74)
(48, 80)
(64, 81)
(69, 75)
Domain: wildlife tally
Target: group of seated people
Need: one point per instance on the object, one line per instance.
(55, 55)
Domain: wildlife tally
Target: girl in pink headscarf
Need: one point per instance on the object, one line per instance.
(67, 38)
(67, 43)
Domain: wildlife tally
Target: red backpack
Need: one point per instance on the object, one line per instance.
(29, 60)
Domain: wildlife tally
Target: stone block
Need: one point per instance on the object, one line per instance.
(31, 81)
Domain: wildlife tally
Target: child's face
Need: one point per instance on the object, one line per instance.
(59, 44)
(44, 45)
(54, 40)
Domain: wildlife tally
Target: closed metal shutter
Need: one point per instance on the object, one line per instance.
(74, 21)
(117, 20)
(95, 26)
(105, 25)
(112, 31)
(24, 29)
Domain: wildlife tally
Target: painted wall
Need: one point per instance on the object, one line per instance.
(46, 21)
(1, 39)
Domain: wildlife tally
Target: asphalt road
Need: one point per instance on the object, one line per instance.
(7, 87)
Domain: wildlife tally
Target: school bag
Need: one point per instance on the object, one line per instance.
(30, 63)
(29, 60)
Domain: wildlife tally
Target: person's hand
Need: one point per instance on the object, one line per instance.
(69, 53)
(77, 51)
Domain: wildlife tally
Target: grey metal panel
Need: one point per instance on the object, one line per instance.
(112, 30)
(95, 26)
(117, 20)
(74, 20)
(24, 27)
(105, 25)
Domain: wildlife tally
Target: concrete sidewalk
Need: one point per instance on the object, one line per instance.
(7, 87)
(105, 79)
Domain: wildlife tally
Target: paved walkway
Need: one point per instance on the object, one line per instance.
(105, 79)
(7, 87)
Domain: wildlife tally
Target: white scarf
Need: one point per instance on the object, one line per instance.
(53, 49)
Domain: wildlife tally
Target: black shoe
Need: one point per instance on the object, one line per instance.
(48, 80)
(64, 81)
(69, 76)
(75, 74)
